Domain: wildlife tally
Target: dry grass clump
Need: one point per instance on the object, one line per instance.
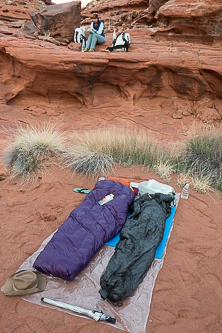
(94, 153)
(164, 170)
(204, 158)
(200, 158)
(183, 179)
(201, 184)
(126, 146)
(81, 159)
(32, 147)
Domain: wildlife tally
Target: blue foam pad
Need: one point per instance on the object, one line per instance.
(168, 224)
(114, 241)
(160, 248)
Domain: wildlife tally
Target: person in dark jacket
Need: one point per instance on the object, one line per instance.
(97, 35)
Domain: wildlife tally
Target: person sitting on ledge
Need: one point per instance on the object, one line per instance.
(97, 35)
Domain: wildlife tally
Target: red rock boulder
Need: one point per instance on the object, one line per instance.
(58, 21)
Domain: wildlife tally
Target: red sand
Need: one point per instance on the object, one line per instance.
(188, 291)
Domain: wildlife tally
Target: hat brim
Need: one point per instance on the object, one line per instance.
(10, 291)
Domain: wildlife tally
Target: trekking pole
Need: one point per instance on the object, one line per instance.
(97, 315)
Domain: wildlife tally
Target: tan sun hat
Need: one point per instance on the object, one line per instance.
(24, 283)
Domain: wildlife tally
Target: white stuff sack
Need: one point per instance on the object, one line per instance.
(152, 186)
(79, 37)
(79, 33)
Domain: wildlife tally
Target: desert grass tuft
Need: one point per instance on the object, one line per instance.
(201, 184)
(200, 156)
(82, 160)
(32, 147)
(94, 153)
(183, 179)
(204, 158)
(164, 170)
(126, 146)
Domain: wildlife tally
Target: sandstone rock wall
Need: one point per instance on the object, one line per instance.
(161, 73)
(188, 79)
(197, 21)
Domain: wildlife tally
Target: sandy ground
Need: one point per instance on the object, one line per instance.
(188, 291)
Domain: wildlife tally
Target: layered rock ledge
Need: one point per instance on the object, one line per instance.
(174, 78)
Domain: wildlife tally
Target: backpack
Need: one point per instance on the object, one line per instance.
(79, 37)
(120, 42)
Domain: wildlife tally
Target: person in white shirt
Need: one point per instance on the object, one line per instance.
(97, 35)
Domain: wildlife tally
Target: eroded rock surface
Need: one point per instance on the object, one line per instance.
(149, 74)
(177, 79)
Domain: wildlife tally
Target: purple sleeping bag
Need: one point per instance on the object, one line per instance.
(87, 228)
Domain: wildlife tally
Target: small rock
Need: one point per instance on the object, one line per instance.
(186, 113)
(54, 41)
(177, 116)
(29, 36)
(3, 173)
(17, 24)
(65, 40)
(119, 12)
(74, 46)
(3, 176)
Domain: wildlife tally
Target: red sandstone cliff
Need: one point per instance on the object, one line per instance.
(173, 66)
